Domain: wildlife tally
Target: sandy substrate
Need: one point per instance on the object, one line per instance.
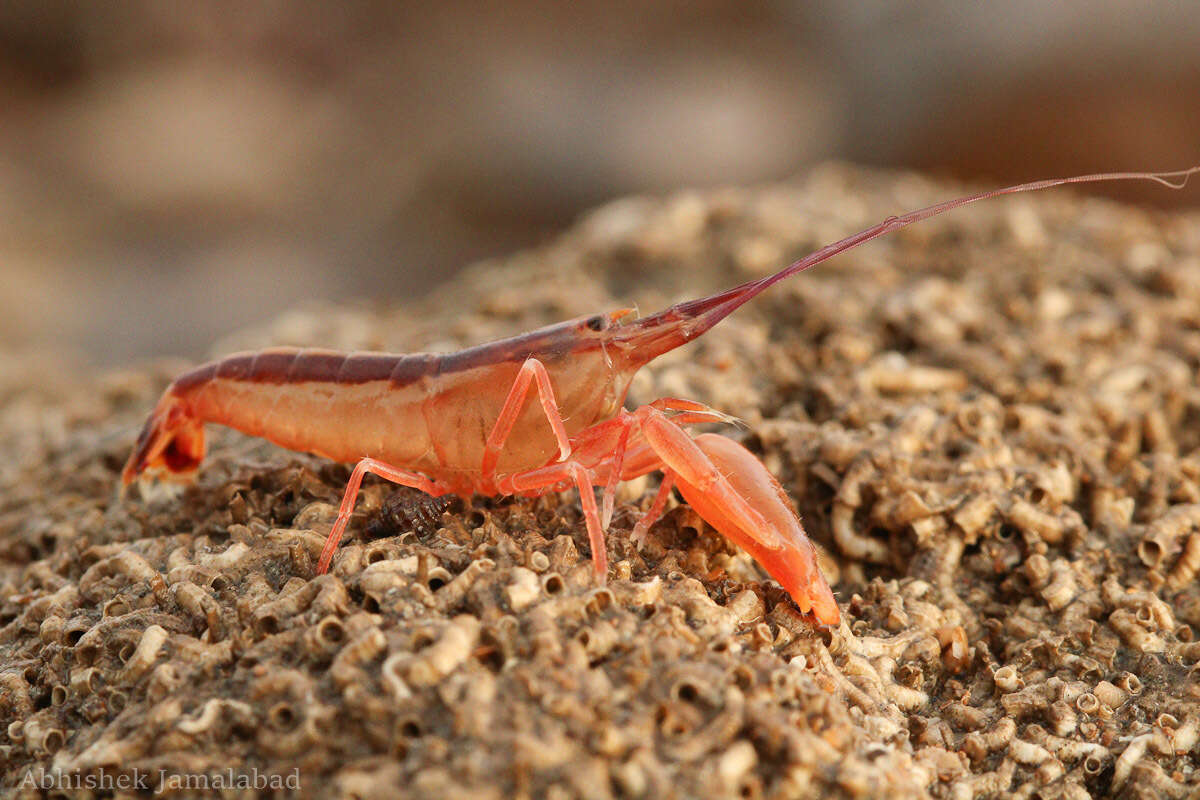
(989, 421)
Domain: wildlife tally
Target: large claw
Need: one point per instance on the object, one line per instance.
(734, 493)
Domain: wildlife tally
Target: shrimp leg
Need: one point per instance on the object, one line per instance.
(734, 492)
(592, 445)
(794, 561)
(386, 471)
(560, 476)
(682, 456)
(618, 457)
(691, 412)
(532, 370)
(591, 516)
(638, 537)
(722, 480)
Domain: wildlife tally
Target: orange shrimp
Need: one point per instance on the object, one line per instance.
(458, 423)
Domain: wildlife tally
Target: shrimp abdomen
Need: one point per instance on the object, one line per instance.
(343, 406)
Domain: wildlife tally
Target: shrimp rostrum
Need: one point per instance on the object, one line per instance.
(538, 412)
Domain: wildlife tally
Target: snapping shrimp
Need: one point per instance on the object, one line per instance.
(459, 423)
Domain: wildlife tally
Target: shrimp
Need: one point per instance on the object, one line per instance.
(459, 423)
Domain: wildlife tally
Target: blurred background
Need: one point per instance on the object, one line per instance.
(169, 172)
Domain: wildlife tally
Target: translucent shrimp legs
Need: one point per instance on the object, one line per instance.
(462, 422)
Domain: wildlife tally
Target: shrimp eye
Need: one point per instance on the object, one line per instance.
(596, 323)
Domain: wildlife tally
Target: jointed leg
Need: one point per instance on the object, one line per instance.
(555, 475)
(654, 512)
(640, 458)
(386, 471)
(682, 456)
(689, 411)
(614, 475)
(532, 370)
(592, 517)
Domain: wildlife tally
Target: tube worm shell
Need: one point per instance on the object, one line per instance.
(210, 714)
(144, 656)
(1132, 753)
(1162, 535)
(126, 564)
(1187, 565)
(989, 784)
(347, 664)
(1061, 588)
(42, 736)
(85, 681)
(451, 595)
(524, 588)
(201, 606)
(325, 594)
(451, 649)
(1027, 753)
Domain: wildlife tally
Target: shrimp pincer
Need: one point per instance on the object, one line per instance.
(464, 423)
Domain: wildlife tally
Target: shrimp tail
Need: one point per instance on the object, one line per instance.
(644, 339)
(171, 442)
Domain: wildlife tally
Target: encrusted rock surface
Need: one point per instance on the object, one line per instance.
(990, 422)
